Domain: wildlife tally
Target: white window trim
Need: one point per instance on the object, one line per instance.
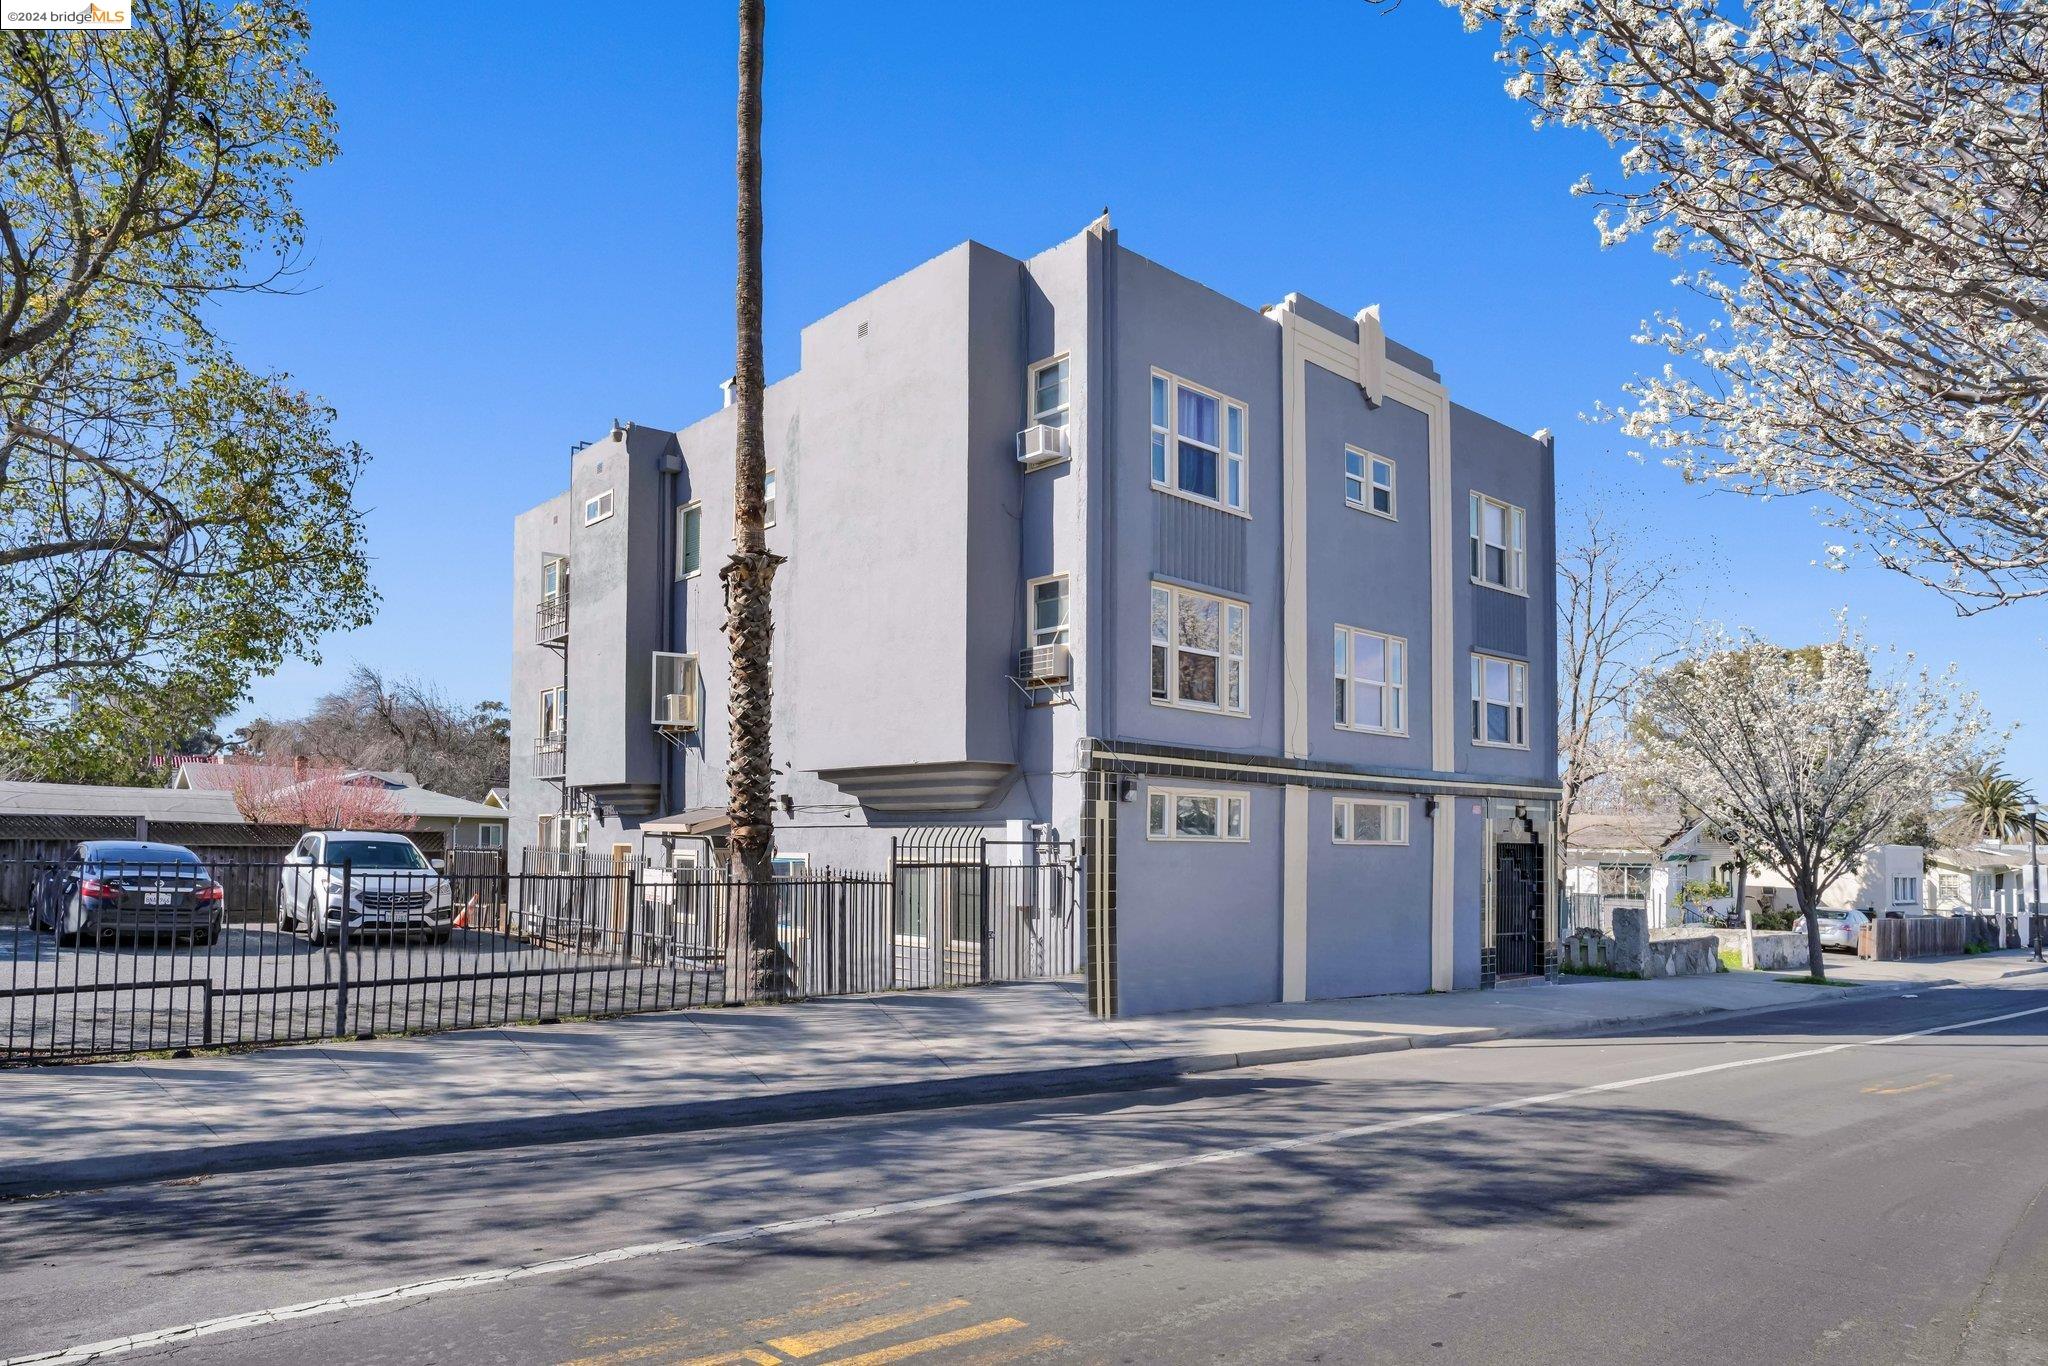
(1066, 408)
(1911, 886)
(1221, 706)
(558, 563)
(682, 514)
(771, 490)
(1516, 559)
(1066, 628)
(1171, 484)
(1350, 698)
(552, 697)
(802, 863)
(1372, 461)
(1516, 669)
(603, 504)
(1223, 795)
(693, 677)
(1349, 806)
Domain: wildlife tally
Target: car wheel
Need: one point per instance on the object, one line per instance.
(286, 921)
(315, 934)
(68, 933)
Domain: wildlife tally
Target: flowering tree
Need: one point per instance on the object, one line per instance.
(1805, 757)
(1861, 186)
(316, 798)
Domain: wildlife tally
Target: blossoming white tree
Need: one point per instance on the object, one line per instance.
(1863, 185)
(1804, 757)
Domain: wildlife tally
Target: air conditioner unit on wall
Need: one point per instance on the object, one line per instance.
(1041, 445)
(1042, 665)
(679, 710)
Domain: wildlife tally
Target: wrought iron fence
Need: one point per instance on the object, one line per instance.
(163, 957)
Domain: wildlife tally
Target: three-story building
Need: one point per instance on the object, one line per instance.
(1238, 599)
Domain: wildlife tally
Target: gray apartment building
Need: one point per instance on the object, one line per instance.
(1235, 600)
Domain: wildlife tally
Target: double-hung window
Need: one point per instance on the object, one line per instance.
(1198, 650)
(1372, 681)
(689, 539)
(1198, 442)
(1049, 611)
(1049, 393)
(768, 499)
(1500, 702)
(1369, 822)
(1369, 481)
(1176, 813)
(1500, 555)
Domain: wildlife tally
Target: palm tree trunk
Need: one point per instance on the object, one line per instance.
(749, 576)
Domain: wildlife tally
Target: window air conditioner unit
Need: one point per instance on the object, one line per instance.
(1044, 664)
(1041, 445)
(679, 710)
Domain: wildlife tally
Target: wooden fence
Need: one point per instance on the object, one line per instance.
(1922, 936)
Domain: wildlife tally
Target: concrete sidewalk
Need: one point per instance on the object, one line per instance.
(74, 1127)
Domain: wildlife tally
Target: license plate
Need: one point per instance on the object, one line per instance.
(156, 898)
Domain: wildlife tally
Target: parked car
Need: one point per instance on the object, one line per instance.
(1840, 929)
(105, 888)
(375, 884)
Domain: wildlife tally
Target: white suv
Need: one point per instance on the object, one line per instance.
(388, 886)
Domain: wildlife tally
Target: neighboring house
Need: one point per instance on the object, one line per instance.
(461, 823)
(1237, 600)
(1983, 879)
(1616, 858)
(1663, 859)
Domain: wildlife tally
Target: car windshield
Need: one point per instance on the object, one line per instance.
(374, 854)
(140, 857)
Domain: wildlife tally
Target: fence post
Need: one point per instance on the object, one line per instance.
(341, 952)
(988, 918)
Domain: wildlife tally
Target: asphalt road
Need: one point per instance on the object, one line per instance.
(1776, 1189)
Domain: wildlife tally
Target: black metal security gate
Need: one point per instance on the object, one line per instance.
(969, 909)
(1519, 892)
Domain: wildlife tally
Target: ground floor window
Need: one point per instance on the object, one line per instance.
(1905, 890)
(1194, 814)
(1627, 880)
(1375, 822)
(792, 865)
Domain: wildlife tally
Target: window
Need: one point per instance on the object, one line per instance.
(1369, 481)
(554, 577)
(689, 539)
(554, 714)
(1372, 681)
(1369, 822)
(1198, 441)
(490, 837)
(1500, 702)
(791, 865)
(1198, 650)
(598, 508)
(1049, 393)
(1174, 813)
(1049, 610)
(1905, 891)
(768, 499)
(1629, 881)
(1499, 544)
(674, 694)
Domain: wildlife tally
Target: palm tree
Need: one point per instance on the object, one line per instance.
(1993, 806)
(749, 576)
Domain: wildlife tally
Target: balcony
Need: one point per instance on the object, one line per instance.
(551, 618)
(549, 754)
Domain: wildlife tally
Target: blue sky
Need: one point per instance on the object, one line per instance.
(529, 233)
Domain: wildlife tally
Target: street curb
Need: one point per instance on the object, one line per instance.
(465, 1136)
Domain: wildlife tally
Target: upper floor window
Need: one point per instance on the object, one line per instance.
(1368, 481)
(1198, 442)
(1198, 650)
(689, 539)
(597, 508)
(675, 690)
(1357, 822)
(1499, 544)
(1372, 681)
(1049, 610)
(1173, 813)
(554, 713)
(768, 499)
(1500, 702)
(1049, 393)
(554, 576)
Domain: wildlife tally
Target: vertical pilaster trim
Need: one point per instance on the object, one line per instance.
(1293, 539)
(1294, 894)
(1444, 554)
(1443, 829)
(1101, 793)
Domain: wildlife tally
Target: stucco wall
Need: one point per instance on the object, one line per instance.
(1368, 908)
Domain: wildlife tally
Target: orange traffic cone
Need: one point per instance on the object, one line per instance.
(462, 916)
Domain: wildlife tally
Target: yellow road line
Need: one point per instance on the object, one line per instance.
(745, 1355)
(919, 1346)
(1016, 1351)
(800, 1345)
(1937, 1079)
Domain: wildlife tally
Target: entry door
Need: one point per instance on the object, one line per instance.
(1518, 899)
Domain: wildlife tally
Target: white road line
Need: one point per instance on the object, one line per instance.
(419, 1290)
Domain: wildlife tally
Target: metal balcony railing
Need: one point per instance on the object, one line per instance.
(551, 619)
(549, 753)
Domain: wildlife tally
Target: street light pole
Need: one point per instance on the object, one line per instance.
(2034, 883)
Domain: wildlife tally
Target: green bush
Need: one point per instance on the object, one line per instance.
(1703, 891)
(1731, 960)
